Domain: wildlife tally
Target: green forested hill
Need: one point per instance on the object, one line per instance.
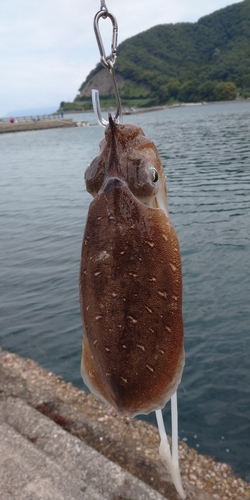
(206, 60)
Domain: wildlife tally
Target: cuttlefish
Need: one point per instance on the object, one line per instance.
(130, 278)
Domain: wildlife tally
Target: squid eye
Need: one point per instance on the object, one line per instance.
(155, 175)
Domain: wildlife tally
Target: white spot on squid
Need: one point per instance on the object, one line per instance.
(133, 320)
(150, 243)
(163, 294)
(103, 255)
(148, 309)
(124, 380)
(150, 368)
(97, 273)
(140, 347)
(172, 266)
(98, 317)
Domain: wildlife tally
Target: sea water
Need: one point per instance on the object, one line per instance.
(205, 151)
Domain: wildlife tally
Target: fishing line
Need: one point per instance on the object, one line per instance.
(103, 5)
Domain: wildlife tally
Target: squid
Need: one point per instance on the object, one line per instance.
(131, 284)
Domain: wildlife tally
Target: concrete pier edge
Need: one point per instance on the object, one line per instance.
(129, 445)
(30, 125)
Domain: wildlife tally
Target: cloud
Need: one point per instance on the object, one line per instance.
(44, 52)
(43, 81)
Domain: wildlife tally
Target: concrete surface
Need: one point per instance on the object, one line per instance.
(40, 460)
(35, 402)
(23, 126)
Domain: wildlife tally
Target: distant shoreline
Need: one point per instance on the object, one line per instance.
(127, 111)
(23, 125)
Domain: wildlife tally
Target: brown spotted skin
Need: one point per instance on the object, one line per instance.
(130, 280)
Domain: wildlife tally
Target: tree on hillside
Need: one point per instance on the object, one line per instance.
(225, 91)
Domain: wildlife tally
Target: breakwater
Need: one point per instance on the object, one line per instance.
(35, 124)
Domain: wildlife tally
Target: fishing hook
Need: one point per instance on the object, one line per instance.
(107, 63)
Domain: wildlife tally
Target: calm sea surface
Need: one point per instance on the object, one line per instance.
(43, 206)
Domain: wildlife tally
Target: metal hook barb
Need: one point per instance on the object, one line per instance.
(107, 63)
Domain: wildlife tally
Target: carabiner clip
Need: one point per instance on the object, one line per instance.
(104, 14)
(107, 63)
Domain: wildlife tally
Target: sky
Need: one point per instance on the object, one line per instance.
(48, 47)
